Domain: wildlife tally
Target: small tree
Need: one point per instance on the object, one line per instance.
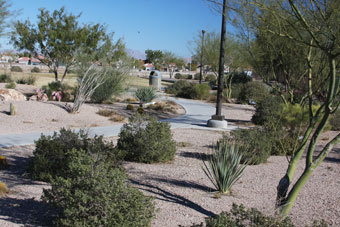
(172, 62)
(56, 38)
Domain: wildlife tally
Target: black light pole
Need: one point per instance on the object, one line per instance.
(218, 119)
(201, 68)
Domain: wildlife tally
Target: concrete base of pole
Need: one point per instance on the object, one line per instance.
(217, 123)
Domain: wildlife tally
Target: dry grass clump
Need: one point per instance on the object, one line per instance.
(106, 112)
(130, 100)
(3, 162)
(164, 107)
(3, 189)
(117, 118)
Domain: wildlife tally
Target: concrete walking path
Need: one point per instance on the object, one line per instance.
(197, 115)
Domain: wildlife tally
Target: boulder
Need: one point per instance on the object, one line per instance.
(11, 95)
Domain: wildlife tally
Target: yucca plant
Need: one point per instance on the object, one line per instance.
(223, 167)
(145, 94)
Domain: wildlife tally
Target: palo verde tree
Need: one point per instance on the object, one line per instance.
(314, 26)
(56, 38)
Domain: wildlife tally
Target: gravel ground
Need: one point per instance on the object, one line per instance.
(183, 195)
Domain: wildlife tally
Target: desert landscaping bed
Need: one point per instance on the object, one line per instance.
(183, 195)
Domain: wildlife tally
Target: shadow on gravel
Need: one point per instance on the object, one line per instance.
(167, 196)
(28, 212)
(188, 119)
(196, 155)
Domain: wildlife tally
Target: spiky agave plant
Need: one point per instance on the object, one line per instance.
(145, 94)
(223, 167)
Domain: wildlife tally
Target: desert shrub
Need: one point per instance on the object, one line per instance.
(223, 167)
(117, 118)
(52, 153)
(67, 91)
(145, 94)
(11, 85)
(240, 78)
(106, 112)
(236, 90)
(239, 216)
(255, 144)
(30, 80)
(113, 84)
(179, 76)
(4, 78)
(335, 121)
(140, 110)
(144, 139)
(253, 91)
(93, 194)
(130, 107)
(3, 188)
(268, 110)
(129, 100)
(16, 69)
(189, 77)
(3, 162)
(210, 77)
(200, 91)
(197, 76)
(50, 71)
(178, 87)
(35, 70)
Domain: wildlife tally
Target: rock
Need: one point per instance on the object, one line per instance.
(11, 95)
(33, 98)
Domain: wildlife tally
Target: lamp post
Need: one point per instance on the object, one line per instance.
(217, 120)
(201, 68)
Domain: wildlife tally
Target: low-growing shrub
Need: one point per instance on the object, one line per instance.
(197, 76)
(117, 118)
(52, 153)
(3, 188)
(144, 139)
(145, 94)
(67, 91)
(30, 80)
(140, 110)
(11, 85)
(178, 87)
(255, 144)
(253, 91)
(16, 69)
(178, 76)
(130, 107)
(35, 70)
(210, 77)
(106, 112)
(4, 78)
(114, 83)
(239, 216)
(268, 110)
(201, 91)
(223, 167)
(94, 194)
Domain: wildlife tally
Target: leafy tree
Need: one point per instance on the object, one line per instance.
(313, 25)
(154, 56)
(172, 61)
(56, 38)
(5, 13)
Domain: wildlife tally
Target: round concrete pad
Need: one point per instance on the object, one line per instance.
(217, 124)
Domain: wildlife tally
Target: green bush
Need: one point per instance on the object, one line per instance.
(144, 139)
(30, 80)
(35, 70)
(16, 69)
(145, 94)
(268, 111)
(114, 83)
(240, 78)
(253, 91)
(94, 194)
(241, 217)
(179, 76)
(130, 107)
(197, 76)
(255, 144)
(4, 78)
(335, 121)
(52, 153)
(178, 86)
(224, 168)
(210, 77)
(67, 91)
(201, 91)
(11, 85)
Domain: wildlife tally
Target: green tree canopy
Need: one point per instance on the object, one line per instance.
(56, 38)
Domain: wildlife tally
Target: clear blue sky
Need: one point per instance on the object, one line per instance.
(144, 24)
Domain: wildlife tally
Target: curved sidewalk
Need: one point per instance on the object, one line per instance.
(197, 115)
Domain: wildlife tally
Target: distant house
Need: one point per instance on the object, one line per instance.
(149, 67)
(28, 61)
